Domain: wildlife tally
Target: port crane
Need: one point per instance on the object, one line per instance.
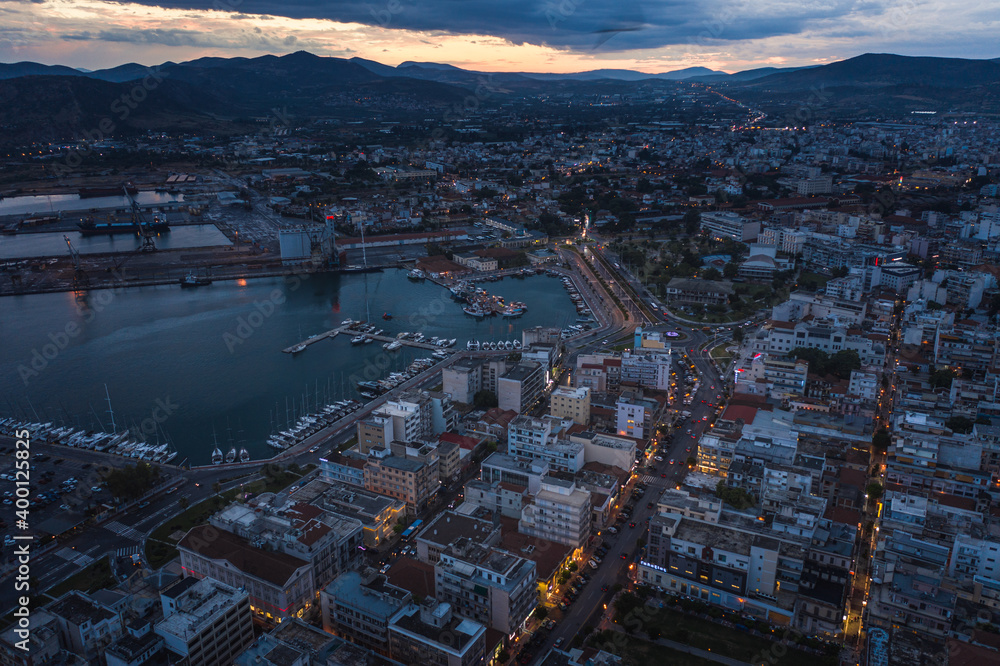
(79, 277)
(139, 219)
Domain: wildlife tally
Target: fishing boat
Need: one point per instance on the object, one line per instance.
(244, 456)
(474, 311)
(217, 456)
(231, 456)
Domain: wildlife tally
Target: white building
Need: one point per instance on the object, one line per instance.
(560, 512)
(205, 621)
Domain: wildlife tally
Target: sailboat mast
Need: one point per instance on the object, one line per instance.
(111, 411)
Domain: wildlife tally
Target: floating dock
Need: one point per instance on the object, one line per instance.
(347, 330)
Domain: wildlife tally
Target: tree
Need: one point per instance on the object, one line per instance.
(881, 439)
(132, 481)
(960, 424)
(942, 378)
(711, 274)
(730, 270)
(541, 612)
(183, 502)
(874, 490)
(484, 399)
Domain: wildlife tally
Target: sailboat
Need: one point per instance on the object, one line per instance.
(216, 452)
(231, 456)
(244, 456)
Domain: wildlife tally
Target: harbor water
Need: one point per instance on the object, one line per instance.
(192, 366)
(50, 204)
(52, 244)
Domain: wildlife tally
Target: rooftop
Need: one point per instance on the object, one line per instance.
(270, 566)
(198, 606)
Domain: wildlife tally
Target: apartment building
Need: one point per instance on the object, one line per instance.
(359, 606)
(414, 481)
(450, 526)
(726, 224)
(533, 438)
(415, 414)
(779, 338)
(377, 513)
(463, 379)
(486, 584)
(521, 386)
(503, 468)
(571, 403)
(325, 540)
(280, 586)
(649, 370)
(560, 512)
(86, 626)
(432, 633)
(205, 621)
(634, 415)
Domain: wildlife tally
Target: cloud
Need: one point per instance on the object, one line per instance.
(563, 24)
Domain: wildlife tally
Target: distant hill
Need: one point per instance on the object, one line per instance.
(746, 75)
(626, 75)
(883, 70)
(84, 105)
(16, 69)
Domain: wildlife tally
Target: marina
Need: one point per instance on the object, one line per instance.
(366, 333)
(214, 350)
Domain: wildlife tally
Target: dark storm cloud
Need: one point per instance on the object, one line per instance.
(570, 24)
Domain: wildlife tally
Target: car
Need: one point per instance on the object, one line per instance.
(625, 555)
(143, 505)
(612, 530)
(650, 505)
(384, 568)
(632, 524)
(663, 474)
(65, 507)
(95, 489)
(596, 559)
(559, 642)
(658, 458)
(672, 462)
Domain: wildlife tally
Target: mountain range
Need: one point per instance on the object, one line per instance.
(210, 92)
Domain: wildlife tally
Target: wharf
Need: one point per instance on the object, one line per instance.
(346, 330)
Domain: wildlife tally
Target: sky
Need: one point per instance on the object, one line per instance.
(500, 35)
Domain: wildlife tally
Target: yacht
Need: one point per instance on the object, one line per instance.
(358, 340)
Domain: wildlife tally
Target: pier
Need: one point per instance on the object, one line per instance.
(347, 330)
